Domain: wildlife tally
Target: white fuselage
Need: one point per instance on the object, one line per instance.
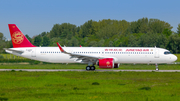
(120, 54)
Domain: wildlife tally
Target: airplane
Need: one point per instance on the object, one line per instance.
(104, 57)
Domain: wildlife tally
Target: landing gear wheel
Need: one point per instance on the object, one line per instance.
(88, 68)
(93, 67)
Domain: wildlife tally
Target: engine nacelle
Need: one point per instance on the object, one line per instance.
(107, 63)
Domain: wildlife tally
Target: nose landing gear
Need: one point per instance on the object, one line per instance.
(157, 67)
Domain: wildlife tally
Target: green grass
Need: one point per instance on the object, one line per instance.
(178, 56)
(87, 86)
(11, 56)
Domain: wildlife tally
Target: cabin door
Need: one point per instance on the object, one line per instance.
(156, 53)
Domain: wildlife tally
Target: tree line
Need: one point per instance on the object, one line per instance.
(109, 33)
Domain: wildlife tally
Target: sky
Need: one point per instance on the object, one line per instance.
(36, 16)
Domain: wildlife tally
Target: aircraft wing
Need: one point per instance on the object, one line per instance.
(82, 57)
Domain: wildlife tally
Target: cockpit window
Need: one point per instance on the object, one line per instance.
(167, 52)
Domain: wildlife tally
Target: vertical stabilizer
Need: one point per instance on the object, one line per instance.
(18, 38)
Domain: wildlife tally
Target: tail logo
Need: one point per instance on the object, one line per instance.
(17, 37)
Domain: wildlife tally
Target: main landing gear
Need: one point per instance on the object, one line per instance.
(90, 68)
(157, 67)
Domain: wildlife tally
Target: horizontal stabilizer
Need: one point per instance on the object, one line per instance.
(17, 51)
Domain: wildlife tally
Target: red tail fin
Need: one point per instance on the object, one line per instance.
(18, 38)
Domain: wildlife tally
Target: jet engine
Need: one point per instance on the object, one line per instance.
(107, 63)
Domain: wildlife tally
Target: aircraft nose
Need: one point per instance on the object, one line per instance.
(174, 57)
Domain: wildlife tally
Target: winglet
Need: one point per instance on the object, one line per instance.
(61, 49)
